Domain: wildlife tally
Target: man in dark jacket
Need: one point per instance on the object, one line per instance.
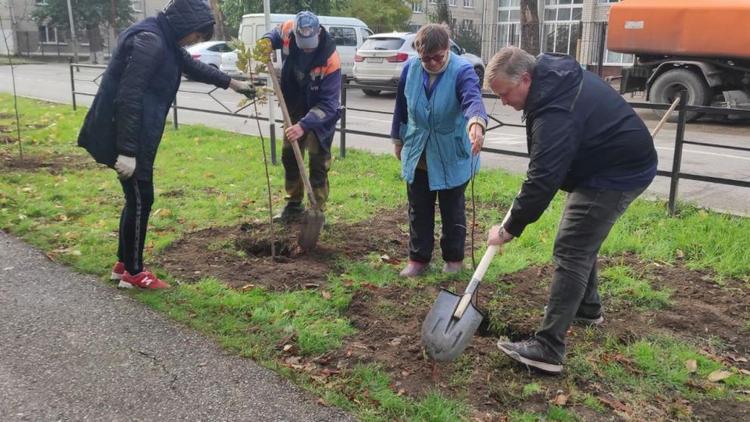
(585, 139)
(311, 84)
(124, 125)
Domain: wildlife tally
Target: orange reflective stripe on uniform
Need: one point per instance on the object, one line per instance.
(286, 34)
(333, 64)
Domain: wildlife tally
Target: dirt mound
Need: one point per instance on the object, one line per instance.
(388, 319)
(242, 255)
(51, 164)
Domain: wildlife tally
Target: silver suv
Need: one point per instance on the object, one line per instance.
(380, 60)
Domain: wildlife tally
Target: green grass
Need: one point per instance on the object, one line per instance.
(657, 365)
(206, 177)
(618, 283)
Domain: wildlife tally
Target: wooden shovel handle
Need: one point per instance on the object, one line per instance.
(665, 117)
(475, 280)
(295, 146)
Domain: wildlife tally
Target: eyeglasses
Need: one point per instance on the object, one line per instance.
(437, 58)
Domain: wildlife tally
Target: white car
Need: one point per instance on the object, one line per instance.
(382, 57)
(209, 52)
(228, 65)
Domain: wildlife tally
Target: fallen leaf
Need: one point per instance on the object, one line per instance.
(719, 375)
(311, 285)
(616, 405)
(247, 287)
(691, 365)
(738, 359)
(744, 372)
(401, 392)
(326, 294)
(288, 347)
(560, 400)
(679, 254)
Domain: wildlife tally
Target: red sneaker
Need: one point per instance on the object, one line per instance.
(143, 279)
(117, 271)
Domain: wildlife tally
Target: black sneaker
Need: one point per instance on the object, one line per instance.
(584, 320)
(531, 353)
(292, 212)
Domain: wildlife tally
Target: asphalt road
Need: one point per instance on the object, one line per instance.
(52, 82)
(73, 348)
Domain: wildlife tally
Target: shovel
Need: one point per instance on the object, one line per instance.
(314, 218)
(453, 319)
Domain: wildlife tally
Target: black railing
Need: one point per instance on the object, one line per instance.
(675, 174)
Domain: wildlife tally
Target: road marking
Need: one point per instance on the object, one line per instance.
(715, 154)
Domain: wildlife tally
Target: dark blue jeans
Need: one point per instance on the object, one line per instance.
(422, 220)
(586, 221)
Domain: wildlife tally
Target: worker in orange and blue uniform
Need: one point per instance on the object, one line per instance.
(311, 84)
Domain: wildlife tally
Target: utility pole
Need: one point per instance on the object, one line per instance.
(73, 38)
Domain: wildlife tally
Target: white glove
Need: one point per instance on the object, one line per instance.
(125, 166)
(242, 87)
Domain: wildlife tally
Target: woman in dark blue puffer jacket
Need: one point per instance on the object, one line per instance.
(124, 126)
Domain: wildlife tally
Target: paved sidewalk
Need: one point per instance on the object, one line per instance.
(73, 348)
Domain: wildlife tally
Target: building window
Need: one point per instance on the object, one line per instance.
(562, 26)
(469, 4)
(417, 6)
(607, 1)
(41, 2)
(49, 35)
(509, 24)
(344, 37)
(452, 3)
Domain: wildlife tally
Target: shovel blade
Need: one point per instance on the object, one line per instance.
(443, 336)
(309, 233)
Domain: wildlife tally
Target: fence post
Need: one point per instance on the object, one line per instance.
(602, 41)
(677, 159)
(343, 117)
(72, 84)
(174, 114)
(272, 128)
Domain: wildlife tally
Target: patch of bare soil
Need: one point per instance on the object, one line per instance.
(389, 323)
(389, 319)
(214, 252)
(51, 164)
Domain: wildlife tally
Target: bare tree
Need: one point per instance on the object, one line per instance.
(220, 29)
(530, 26)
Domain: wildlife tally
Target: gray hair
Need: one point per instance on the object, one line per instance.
(509, 63)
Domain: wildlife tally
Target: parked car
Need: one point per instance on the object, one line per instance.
(348, 33)
(382, 57)
(209, 52)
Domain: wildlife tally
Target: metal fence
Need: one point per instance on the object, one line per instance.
(675, 173)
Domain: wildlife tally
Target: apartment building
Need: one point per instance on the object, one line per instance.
(22, 35)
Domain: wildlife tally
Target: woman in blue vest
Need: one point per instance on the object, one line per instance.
(437, 131)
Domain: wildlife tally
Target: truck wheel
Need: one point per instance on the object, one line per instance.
(371, 92)
(668, 85)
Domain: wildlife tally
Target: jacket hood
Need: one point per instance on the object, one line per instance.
(186, 16)
(555, 83)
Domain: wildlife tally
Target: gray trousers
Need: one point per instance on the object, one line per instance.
(586, 221)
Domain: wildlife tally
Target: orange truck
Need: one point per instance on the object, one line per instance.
(699, 46)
